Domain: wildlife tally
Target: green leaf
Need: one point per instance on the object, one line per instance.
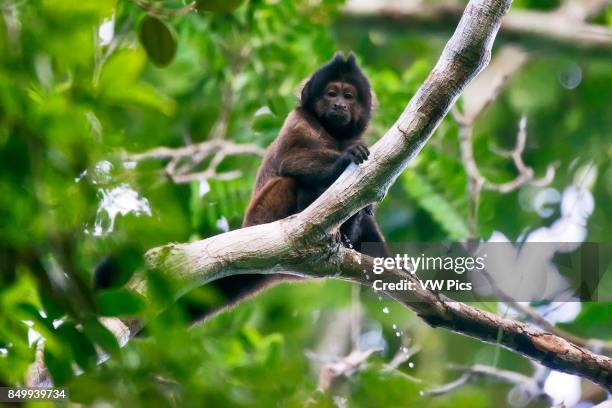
(158, 40)
(101, 336)
(41, 324)
(160, 288)
(120, 84)
(438, 206)
(119, 302)
(59, 366)
(92, 9)
(83, 351)
(51, 306)
(31, 312)
(123, 68)
(85, 390)
(265, 120)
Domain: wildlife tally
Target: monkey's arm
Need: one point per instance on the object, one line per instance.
(320, 166)
(317, 167)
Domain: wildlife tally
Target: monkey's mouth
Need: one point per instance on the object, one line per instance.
(338, 118)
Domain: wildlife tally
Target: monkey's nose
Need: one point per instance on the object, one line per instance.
(339, 106)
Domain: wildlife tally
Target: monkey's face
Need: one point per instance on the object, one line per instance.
(338, 105)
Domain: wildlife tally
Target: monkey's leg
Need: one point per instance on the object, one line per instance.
(350, 231)
(370, 234)
(276, 200)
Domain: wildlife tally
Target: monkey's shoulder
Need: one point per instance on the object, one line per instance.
(300, 123)
(301, 128)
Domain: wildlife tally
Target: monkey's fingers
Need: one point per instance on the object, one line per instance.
(359, 154)
(363, 149)
(355, 158)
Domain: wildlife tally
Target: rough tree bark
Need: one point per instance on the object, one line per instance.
(305, 244)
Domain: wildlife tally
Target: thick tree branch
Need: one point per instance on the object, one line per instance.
(304, 244)
(596, 345)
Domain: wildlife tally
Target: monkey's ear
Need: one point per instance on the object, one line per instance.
(338, 58)
(351, 61)
(303, 92)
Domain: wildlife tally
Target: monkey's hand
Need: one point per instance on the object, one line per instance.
(357, 153)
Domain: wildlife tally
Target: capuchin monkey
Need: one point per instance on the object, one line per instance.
(318, 140)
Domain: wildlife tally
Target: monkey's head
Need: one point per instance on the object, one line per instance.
(338, 94)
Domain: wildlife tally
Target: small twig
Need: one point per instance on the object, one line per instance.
(477, 97)
(525, 173)
(189, 157)
(208, 174)
(160, 11)
(532, 385)
(344, 367)
(477, 182)
(475, 179)
(480, 94)
(448, 387)
(401, 357)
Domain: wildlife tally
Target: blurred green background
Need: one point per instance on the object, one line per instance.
(82, 83)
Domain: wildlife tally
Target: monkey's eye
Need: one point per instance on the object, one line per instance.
(332, 93)
(348, 96)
